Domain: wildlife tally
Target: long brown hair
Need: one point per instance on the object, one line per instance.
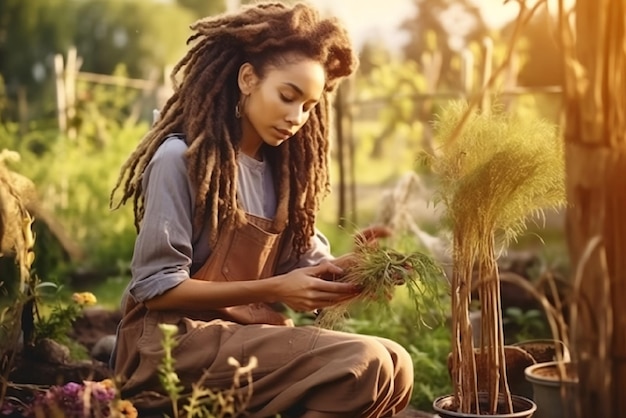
(203, 106)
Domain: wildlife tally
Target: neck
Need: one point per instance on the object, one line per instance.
(250, 140)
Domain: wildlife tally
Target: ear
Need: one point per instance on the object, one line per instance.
(247, 78)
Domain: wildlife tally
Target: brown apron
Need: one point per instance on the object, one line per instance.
(299, 368)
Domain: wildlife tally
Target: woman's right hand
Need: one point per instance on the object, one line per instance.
(303, 289)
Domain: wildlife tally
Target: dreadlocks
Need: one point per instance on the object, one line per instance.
(202, 107)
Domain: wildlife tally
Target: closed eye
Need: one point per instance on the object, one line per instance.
(286, 99)
(305, 108)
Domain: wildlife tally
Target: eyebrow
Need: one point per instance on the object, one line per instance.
(296, 88)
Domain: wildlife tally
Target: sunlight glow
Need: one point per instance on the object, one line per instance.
(380, 19)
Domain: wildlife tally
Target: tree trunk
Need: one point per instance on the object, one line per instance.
(596, 186)
(595, 148)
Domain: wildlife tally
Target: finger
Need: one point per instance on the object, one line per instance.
(338, 289)
(345, 260)
(325, 267)
(372, 233)
(327, 299)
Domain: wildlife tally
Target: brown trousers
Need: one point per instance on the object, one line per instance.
(299, 368)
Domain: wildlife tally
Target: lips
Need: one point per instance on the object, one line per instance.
(284, 132)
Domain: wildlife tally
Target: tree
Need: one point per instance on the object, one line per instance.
(31, 32)
(142, 35)
(373, 54)
(390, 89)
(446, 26)
(539, 51)
(595, 145)
(203, 8)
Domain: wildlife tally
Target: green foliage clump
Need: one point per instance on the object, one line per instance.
(57, 323)
(531, 324)
(74, 177)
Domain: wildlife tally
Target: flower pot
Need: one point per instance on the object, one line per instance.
(547, 384)
(517, 360)
(542, 351)
(522, 407)
(545, 350)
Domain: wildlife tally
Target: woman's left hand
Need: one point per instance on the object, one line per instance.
(370, 235)
(366, 237)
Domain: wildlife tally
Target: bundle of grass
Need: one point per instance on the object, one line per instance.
(493, 175)
(378, 271)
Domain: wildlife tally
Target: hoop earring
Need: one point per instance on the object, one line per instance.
(239, 107)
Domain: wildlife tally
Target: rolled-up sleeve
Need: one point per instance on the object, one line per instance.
(318, 252)
(163, 249)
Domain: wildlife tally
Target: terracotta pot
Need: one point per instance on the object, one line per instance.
(542, 351)
(545, 350)
(522, 407)
(547, 385)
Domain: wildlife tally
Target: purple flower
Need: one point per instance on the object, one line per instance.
(72, 400)
(67, 398)
(7, 408)
(72, 389)
(100, 397)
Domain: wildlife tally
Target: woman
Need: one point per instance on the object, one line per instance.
(226, 187)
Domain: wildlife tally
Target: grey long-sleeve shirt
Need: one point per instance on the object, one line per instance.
(168, 250)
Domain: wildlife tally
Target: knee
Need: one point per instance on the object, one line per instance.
(402, 360)
(390, 368)
(388, 360)
(403, 380)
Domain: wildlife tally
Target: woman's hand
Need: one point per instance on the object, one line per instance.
(370, 235)
(366, 237)
(304, 289)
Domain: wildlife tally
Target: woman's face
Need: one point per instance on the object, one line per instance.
(278, 104)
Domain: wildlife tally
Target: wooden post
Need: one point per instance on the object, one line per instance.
(485, 103)
(510, 80)
(71, 68)
(60, 92)
(340, 141)
(166, 89)
(431, 62)
(348, 127)
(467, 72)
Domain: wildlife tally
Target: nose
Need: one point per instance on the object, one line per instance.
(296, 116)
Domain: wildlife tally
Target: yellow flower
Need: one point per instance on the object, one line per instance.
(127, 409)
(84, 298)
(107, 383)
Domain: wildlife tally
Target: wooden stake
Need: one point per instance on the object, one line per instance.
(60, 92)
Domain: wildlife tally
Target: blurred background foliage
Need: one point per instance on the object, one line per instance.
(391, 103)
